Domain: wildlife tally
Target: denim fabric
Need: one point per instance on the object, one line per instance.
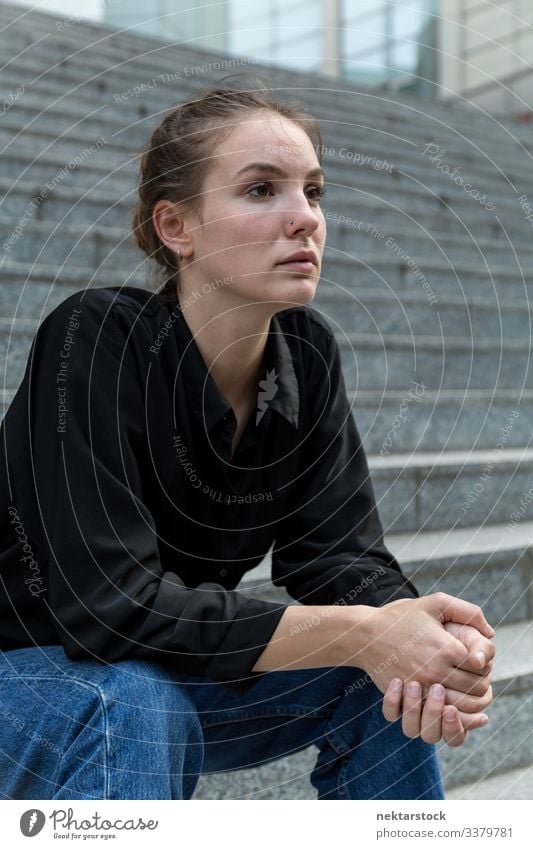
(138, 730)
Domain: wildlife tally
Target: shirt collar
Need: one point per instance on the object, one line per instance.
(278, 389)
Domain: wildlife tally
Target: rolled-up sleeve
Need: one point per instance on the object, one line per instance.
(107, 593)
(329, 549)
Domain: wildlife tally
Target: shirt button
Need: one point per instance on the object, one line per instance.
(223, 572)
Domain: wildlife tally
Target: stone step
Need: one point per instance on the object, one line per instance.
(451, 489)
(444, 420)
(400, 267)
(393, 362)
(398, 271)
(115, 82)
(445, 501)
(407, 167)
(115, 169)
(366, 240)
(507, 742)
(125, 44)
(380, 266)
(512, 784)
(94, 137)
(106, 43)
(417, 491)
(490, 752)
(389, 113)
(378, 310)
(421, 241)
(117, 172)
(370, 361)
(383, 310)
(374, 293)
(56, 249)
(54, 201)
(491, 565)
(345, 205)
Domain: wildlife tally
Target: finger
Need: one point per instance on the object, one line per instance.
(430, 725)
(392, 700)
(412, 708)
(467, 682)
(481, 650)
(472, 664)
(453, 732)
(473, 721)
(467, 703)
(453, 609)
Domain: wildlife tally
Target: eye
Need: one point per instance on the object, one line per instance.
(320, 192)
(317, 192)
(259, 186)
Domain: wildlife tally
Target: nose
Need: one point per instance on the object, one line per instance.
(299, 216)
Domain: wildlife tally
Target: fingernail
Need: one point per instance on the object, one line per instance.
(437, 690)
(482, 657)
(485, 719)
(396, 684)
(449, 714)
(491, 629)
(413, 689)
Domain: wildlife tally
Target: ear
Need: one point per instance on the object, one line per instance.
(171, 225)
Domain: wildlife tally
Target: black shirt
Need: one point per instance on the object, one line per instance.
(126, 524)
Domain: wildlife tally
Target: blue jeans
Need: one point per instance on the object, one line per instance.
(138, 730)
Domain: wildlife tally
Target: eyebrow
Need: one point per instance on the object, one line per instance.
(275, 169)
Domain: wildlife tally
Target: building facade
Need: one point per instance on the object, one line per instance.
(486, 51)
(389, 44)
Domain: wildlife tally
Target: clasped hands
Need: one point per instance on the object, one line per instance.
(441, 682)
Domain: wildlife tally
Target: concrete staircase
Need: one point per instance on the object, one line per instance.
(426, 284)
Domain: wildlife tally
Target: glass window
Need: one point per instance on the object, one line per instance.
(303, 8)
(407, 18)
(373, 65)
(359, 9)
(295, 36)
(405, 55)
(370, 33)
(300, 16)
(304, 53)
(249, 40)
(242, 12)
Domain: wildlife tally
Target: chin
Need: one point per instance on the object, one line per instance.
(292, 290)
(298, 291)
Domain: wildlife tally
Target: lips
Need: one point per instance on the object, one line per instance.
(300, 258)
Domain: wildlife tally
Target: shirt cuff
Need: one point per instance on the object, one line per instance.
(244, 642)
(391, 590)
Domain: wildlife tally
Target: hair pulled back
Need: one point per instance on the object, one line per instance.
(174, 163)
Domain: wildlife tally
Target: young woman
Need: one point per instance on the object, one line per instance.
(158, 445)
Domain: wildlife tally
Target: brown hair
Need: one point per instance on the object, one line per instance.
(173, 164)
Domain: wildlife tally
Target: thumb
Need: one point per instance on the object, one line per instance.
(448, 608)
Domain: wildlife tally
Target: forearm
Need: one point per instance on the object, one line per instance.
(309, 636)
(404, 639)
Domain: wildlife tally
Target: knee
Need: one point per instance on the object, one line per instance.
(147, 696)
(139, 730)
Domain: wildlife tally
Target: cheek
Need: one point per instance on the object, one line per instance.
(256, 230)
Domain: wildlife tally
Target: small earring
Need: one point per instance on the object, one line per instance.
(291, 221)
(179, 255)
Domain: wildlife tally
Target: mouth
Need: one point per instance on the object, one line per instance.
(304, 265)
(303, 261)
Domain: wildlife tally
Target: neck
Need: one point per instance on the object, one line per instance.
(232, 343)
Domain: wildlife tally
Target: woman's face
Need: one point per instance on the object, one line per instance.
(244, 234)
